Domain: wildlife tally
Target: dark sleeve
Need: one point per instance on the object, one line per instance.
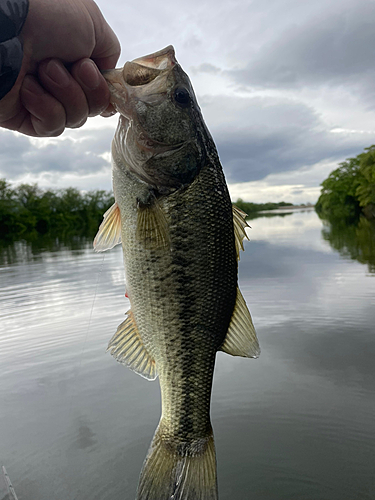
(12, 18)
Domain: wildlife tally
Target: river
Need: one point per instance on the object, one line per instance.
(296, 424)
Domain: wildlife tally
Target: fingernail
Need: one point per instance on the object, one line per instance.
(31, 85)
(107, 114)
(109, 111)
(89, 74)
(58, 73)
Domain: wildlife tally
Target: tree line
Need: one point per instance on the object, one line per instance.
(251, 209)
(27, 211)
(349, 190)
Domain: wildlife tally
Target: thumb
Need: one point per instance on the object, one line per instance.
(107, 55)
(107, 47)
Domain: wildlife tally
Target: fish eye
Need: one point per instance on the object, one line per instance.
(181, 96)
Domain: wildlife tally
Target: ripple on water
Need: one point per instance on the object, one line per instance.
(297, 423)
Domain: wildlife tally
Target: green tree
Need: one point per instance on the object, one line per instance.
(34, 208)
(9, 223)
(350, 189)
(338, 195)
(366, 188)
(28, 211)
(251, 209)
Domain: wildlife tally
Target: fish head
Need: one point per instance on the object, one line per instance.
(161, 133)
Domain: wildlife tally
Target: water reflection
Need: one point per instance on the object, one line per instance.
(85, 436)
(297, 423)
(29, 250)
(356, 241)
(273, 213)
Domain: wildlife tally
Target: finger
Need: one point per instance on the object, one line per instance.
(109, 111)
(92, 84)
(17, 122)
(46, 115)
(57, 80)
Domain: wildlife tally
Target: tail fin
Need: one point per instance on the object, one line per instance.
(183, 471)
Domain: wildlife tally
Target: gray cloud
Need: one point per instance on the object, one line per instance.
(293, 48)
(12, 147)
(260, 136)
(78, 152)
(206, 68)
(332, 48)
(255, 136)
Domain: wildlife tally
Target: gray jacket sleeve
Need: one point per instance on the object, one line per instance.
(12, 18)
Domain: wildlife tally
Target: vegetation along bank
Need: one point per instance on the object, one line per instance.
(27, 211)
(349, 191)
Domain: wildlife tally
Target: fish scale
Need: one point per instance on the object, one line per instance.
(183, 330)
(181, 239)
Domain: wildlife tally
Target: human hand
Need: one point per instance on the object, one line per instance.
(65, 43)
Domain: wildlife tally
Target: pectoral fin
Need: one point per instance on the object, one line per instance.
(127, 347)
(241, 339)
(109, 233)
(239, 225)
(152, 228)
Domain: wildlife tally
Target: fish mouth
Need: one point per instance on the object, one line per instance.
(142, 70)
(130, 83)
(160, 60)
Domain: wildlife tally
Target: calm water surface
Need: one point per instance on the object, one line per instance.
(297, 423)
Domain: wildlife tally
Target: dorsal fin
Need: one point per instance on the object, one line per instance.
(241, 338)
(239, 225)
(127, 347)
(109, 233)
(152, 228)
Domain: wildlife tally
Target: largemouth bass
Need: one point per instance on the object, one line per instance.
(181, 240)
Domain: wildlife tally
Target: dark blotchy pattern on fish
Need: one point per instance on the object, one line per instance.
(194, 288)
(180, 254)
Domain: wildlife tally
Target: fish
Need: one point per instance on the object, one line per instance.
(181, 238)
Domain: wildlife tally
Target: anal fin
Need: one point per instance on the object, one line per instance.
(241, 338)
(127, 347)
(109, 233)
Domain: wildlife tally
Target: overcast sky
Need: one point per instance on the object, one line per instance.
(287, 89)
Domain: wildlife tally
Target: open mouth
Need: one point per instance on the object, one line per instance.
(129, 85)
(142, 70)
(163, 59)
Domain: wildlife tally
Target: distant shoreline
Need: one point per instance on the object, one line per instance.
(288, 209)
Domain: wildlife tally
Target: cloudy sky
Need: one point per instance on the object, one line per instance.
(287, 89)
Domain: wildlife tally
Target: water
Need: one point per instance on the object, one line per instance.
(297, 423)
